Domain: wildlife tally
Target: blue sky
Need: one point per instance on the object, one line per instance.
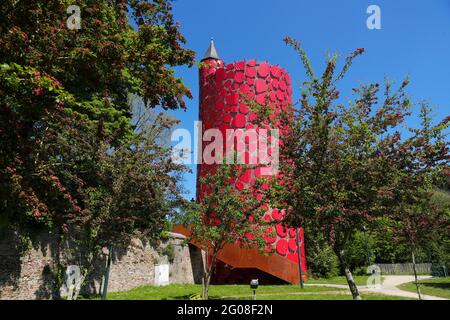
(414, 40)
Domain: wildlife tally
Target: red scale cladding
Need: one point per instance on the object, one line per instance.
(224, 91)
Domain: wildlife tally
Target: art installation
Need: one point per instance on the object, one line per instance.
(225, 90)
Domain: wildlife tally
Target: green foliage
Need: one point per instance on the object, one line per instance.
(382, 244)
(72, 161)
(422, 220)
(120, 48)
(61, 86)
(346, 166)
(225, 215)
(440, 270)
(65, 104)
(169, 251)
(322, 261)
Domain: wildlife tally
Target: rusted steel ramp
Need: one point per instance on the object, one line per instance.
(249, 258)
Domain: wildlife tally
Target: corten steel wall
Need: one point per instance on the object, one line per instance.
(223, 88)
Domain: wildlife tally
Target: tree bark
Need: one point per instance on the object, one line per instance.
(348, 275)
(351, 284)
(205, 283)
(207, 276)
(415, 274)
(77, 288)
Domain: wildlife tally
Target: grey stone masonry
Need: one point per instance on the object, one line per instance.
(30, 276)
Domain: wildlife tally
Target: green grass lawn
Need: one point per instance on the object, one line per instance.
(315, 296)
(359, 280)
(184, 291)
(439, 287)
(240, 292)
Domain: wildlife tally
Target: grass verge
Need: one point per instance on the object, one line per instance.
(439, 287)
(239, 292)
(359, 280)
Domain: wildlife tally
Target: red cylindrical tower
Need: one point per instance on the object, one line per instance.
(225, 90)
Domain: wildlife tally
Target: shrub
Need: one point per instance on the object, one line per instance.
(322, 261)
(169, 251)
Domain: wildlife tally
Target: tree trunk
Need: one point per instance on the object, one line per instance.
(205, 285)
(348, 275)
(207, 275)
(415, 274)
(106, 276)
(299, 258)
(351, 284)
(77, 287)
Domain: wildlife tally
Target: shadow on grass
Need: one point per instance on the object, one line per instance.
(189, 297)
(436, 285)
(183, 297)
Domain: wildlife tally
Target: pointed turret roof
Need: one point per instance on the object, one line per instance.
(211, 53)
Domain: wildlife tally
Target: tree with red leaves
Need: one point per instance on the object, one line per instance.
(225, 215)
(56, 82)
(71, 157)
(347, 165)
(419, 219)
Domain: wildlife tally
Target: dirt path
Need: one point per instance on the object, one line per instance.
(390, 283)
(388, 287)
(287, 294)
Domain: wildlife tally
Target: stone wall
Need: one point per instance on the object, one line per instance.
(30, 275)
